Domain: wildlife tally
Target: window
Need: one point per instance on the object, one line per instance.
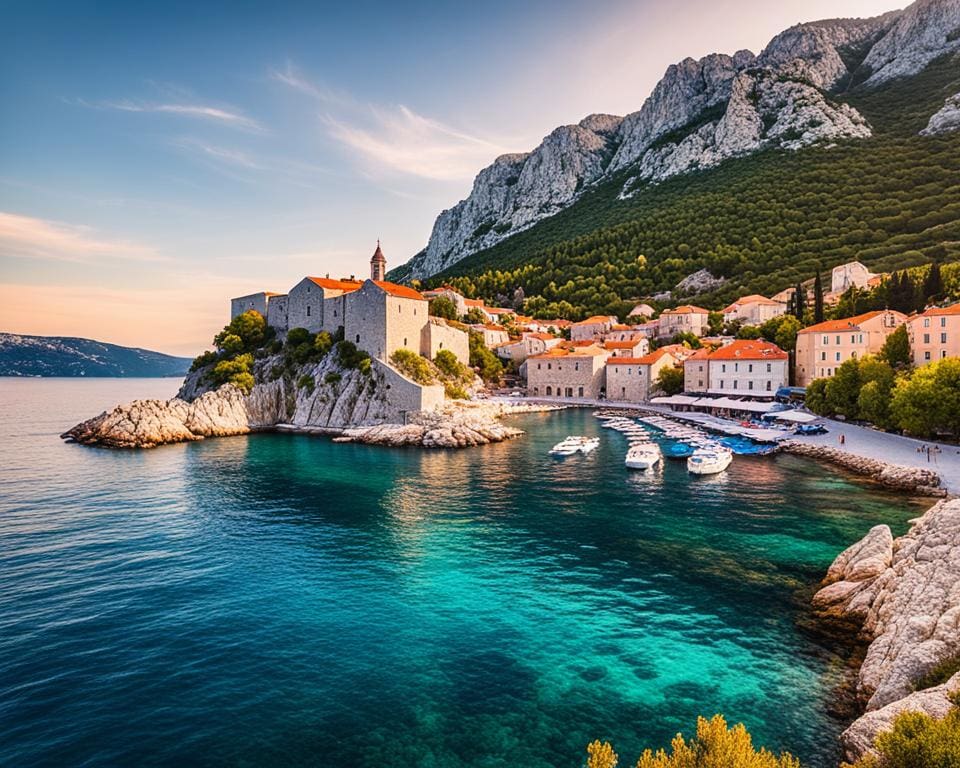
(853, 338)
(576, 366)
(735, 382)
(943, 353)
(399, 308)
(569, 392)
(926, 355)
(721, 383)
(826, 341)
(861, 338)
(769, 367)
(838, 341)
(623, 391)
(334, 313)
(926, 338)
(404, 341)
(536, 390)
(768, 386)
(580, 390)
(549, 391)
(358, 338)
(854, 354)
(308, 310)
(943, 338)
(823, 355)
(838, 357)
(943, 322)
(736, 367)
(749, 385)
(441, 345)
(750, 368)
(549, 366)
(723, 367)
(926, 322)
(538, 366)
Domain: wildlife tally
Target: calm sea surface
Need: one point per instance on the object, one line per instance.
(282, 600)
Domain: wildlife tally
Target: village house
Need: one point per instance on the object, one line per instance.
(753, 310)
(747, 368)
(683, 319)
(850, 274)
(633, 379)
(935, 334)
(529, 344)
(452, 294)
(593, 328)
(642, 310)
(624, 333)
(493, 335)
(255, 301)
(823, 347)
(567, 371)
(627, 348)
(696, 372)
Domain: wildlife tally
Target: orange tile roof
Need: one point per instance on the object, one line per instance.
(749, 349)
(620, 327)
(494, 327)
(700, 354)
(541, 336)
(473, 302)
(336, 285)
(845, 324)
(586, 350)
(686, 309)
(400, 291)
(953, 309)
(622, 344)
(594, 320)
(648, 359)
(558, 323)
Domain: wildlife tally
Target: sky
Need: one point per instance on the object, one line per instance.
(158, 158)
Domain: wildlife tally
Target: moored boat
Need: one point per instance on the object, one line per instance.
(709, 460)
(642, 456)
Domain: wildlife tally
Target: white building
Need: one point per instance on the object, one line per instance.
(852, 273)
(748, 368)
(753, 310)
(683, 319)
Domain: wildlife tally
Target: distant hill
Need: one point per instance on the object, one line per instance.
(68, 356)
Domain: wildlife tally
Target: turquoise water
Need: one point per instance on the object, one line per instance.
(276, 599)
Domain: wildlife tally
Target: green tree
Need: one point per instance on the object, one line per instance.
(322, 343)
(443, 307)
(933, 284)
(715, 323)
(413, 366)
(686, 338)
(817, 299)
(816, 397)
(843, 389)
(251, 329)
(799, 301)
(896, 349)
(670, 380)
(749, 332)
(475, 316)
(927, 402)
(873, 401)
(483, 359)
(781, 331)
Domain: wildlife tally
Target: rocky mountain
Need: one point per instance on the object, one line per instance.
(946, 119)
(68, 356)
(790, 96)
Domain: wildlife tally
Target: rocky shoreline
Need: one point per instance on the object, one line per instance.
(228, 411)
(904, 594)
(925, 482)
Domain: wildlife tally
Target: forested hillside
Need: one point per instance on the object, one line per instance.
(764, 222)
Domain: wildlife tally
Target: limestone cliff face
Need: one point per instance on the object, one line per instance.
(946, 119)
(923, 32)
(906, 593)
(699, 114)
(519, 190)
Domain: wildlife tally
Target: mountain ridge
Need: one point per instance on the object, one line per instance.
(698, 115)
(72, 356)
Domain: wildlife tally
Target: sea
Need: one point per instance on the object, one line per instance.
(286, 600)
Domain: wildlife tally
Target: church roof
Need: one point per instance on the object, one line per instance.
(378, 255)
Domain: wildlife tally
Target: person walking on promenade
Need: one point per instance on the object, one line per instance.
(843, 440)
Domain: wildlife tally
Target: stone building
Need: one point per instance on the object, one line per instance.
(437, 334)
(593, 328)
(935, 334)
(850, 274)
(823, 347)
(633, 379)
(530, 344)
(747, 368)
(696, 372)
(382, 317)
(642, 310)
(753, 310)
(378, 265)
(636, 347)
(255, 301)
(277, 312)
(493, 335)
(567, 371)
(683, 319)
(309, 305)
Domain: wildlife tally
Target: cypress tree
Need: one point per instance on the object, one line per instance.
(933, 284)
(798, 302)
(817, 299)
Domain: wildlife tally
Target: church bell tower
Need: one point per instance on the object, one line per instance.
(378, 264)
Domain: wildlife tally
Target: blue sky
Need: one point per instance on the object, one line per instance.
(158, 158)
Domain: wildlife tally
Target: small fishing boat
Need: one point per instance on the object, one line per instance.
(574, 444)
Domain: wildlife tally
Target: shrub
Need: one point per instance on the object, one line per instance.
(306, 382)
(349, 356)
(455, 391)
(202, 360)
(250, 331)
(297, 336)
(236, 371)
(244, 381)
(322, 343)
(332, 378)
(487, 364)
(475, 316)
(231, 344)
(448, 364)
(443, 307)
(275, 347)
(714, 746)
(413, 366)
(670, 380)
(940, 673)
(918, 740)
(364, 366)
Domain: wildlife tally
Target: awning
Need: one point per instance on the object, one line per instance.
(674, 400)
(797, 417)
(737, 405)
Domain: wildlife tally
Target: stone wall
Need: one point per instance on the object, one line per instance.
(254, 301)
(437, 335)
(277, 312)
(553, 376)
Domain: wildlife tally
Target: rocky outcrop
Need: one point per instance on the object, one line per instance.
(924, 31)
(699, 282)
(519, 190)
(914, 479)
(945, 120)
(905, 593)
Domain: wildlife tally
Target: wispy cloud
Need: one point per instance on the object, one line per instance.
(29, 237)
(219, 154)
(224, 115)
(395, 139)
(401, 140)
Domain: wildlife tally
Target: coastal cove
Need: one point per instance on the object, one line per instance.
(272, 597)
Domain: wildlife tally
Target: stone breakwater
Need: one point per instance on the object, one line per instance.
(914, 479)
(905, 595)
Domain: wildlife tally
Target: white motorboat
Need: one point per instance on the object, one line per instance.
(709, 460)
(575, 444)
(642, 456)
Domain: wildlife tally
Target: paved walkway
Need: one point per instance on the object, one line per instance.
(894, 449)
(861, 441)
